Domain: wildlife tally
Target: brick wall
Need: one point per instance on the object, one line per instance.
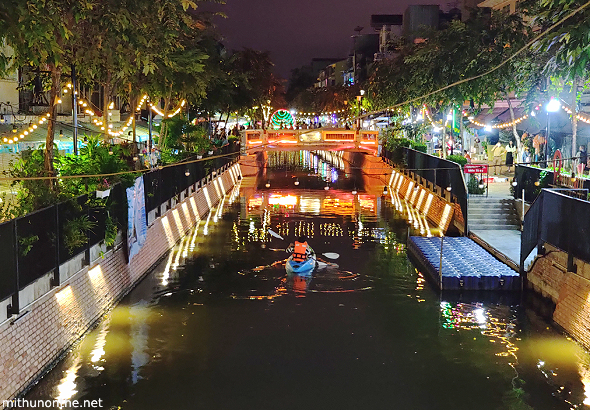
(31, 343)
(569, 291)
(438, 210)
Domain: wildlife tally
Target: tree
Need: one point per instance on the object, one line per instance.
(41, 34)
(568, 51)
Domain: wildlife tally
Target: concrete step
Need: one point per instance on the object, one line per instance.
(495, 218)
(491, 212)
(487, 214)
(487, 227)
(482, 205)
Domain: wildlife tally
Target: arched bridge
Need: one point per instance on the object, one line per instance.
(333, 139)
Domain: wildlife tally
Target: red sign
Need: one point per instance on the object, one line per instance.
(475, 169)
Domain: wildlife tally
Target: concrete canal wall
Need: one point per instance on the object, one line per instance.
(569, 291)
(56, 318)
(428, 199)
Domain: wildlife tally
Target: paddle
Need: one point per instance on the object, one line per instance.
(329, 255)
(276, 235)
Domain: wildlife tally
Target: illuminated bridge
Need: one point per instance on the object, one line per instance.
(333, 139)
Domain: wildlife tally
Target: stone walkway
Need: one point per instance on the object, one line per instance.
(504, 241)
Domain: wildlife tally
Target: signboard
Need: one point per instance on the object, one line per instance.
(475, 169)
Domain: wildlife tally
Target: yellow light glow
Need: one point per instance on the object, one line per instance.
(288, 200)
(65, 296)
(168, 230)
(96, 277)
(207, 197)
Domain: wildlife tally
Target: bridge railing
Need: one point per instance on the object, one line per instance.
(336, 136)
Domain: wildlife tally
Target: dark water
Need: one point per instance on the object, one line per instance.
(219, 324)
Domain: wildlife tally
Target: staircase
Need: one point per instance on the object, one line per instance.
(492, 213)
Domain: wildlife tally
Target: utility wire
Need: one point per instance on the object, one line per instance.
(503, 63)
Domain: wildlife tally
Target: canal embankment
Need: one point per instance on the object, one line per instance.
(50, 319)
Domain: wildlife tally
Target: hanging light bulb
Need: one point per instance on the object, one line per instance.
(449, 188)
(111, 150)
(267, 184)
(187, 172)
(385, 190)
(297, 182)
(573, 178)
(14, 128)
(327, 188)
(514, 182)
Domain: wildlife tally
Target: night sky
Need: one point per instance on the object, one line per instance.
(296, 31)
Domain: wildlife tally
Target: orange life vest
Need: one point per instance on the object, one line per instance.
(300, 251)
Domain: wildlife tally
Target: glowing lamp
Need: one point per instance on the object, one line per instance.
(553, 105)
(514, 183)
(354, 191)
(449, 188)
(327, 188)
(488, 128)
(187, 172)
(296, 182)
(267, 184)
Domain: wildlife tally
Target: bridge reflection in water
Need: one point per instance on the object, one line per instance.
(219, 324)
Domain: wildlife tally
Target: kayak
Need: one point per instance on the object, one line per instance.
(301, 268)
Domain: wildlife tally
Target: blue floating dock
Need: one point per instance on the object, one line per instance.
(466, 265)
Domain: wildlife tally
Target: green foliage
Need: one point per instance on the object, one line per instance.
(463, 49)
(32, 194)
(111, 231)
(76, 232)
(459, 159)
(25, 244)
(418, 146)
(95, 158)
(473, 186)
(545, 178)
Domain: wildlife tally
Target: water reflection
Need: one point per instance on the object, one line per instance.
(220, 323)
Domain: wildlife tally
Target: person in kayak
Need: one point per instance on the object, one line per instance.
(300, 249)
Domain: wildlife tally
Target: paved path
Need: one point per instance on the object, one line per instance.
(506, 242)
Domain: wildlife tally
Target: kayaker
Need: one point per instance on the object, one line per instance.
(301, 250)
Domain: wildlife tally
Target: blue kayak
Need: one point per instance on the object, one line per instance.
(301, 268)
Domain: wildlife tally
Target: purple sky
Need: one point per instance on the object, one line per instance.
(296, 31)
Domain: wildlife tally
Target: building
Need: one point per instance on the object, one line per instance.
(332, 75)
(508, 6)
(389, 27)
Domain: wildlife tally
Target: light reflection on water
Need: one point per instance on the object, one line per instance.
(207, 325)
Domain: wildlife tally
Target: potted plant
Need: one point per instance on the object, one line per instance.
(103, 189)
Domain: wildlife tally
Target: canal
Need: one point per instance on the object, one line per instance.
(220, 325)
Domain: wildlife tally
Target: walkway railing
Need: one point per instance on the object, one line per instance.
(561, 221)
(440, 172)
(36, 244)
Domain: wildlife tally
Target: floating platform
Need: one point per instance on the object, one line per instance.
(465, 265)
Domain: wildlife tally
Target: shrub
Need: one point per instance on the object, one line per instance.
(473, 186)
(459, 159)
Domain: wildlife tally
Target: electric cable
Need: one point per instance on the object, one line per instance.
(503, 63)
